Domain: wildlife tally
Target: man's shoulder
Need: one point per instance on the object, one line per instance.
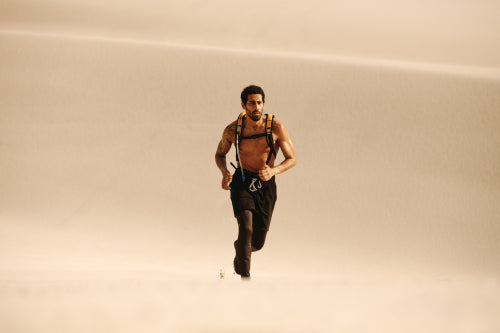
(230, 130)
(277, 125)
(231, 126)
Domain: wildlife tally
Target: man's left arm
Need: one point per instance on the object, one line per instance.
(286, 145)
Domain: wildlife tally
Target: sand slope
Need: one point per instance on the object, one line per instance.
(107, 174)
(394, 163)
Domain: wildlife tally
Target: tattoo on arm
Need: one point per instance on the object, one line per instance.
(227, 140)
(224, 147)
(230, 132)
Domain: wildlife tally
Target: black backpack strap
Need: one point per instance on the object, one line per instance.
(269, 136)
(237, 134)
(239, 127)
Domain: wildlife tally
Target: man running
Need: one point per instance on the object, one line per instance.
(257, 138)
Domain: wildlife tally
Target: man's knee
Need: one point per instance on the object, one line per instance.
(257, 246)
(258, 241)
(244, 216)
(245, 222)
(247, 229)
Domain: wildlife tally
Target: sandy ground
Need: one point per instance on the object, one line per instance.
(263, 305)
(111, 213)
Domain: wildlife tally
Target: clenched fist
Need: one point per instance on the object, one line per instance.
(226, 180)
(267, 173)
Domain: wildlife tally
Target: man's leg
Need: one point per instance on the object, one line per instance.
(243, 244)
(259, 232)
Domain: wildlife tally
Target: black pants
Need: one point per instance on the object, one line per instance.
(253, 205)
(252, 233)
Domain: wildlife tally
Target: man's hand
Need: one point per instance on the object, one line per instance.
(266, 173)
(226, 180)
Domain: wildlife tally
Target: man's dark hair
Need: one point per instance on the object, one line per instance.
(250, 90)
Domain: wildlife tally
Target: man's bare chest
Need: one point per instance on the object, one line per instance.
(254, 145)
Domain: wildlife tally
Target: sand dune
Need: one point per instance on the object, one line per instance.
(439, 68)
(110, 208)
(125, 132)
(449, 32)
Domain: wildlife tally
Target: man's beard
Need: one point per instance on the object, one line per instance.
(255, 117)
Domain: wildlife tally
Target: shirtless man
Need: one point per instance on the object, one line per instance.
(253, 187)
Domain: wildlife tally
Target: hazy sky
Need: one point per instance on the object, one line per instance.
(463, 32)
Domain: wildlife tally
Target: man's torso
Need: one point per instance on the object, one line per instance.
(253, 152)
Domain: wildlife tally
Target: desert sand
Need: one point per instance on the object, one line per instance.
(111, 214)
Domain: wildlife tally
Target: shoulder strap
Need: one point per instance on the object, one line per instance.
(239, 126)
(269, 136)
(269, 124)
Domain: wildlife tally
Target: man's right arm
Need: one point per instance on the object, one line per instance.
(222, 150)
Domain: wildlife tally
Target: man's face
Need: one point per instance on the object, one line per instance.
(254, 106)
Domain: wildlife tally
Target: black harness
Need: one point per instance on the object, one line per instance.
(268, 134)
